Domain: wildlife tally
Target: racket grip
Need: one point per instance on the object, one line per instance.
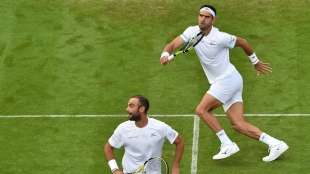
(171, 57)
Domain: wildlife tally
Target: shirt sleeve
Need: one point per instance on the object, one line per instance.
(171, 134)
(187, 34)
(116, 139)
(228, 40)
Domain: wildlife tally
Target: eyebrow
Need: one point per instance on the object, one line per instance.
(131, 104)
(208, 15)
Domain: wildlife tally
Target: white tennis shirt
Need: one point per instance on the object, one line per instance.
(140, 144)
(213, 52)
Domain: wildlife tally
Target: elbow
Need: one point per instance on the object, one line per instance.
(179, 142)
(107, 149)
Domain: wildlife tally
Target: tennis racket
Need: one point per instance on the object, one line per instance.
(189, 45)
(154, 165)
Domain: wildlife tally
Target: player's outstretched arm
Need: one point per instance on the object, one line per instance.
(260, 66)
(170, 48)
(179, 149)
(109, 155)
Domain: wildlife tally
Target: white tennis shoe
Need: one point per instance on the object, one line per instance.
(276, 151)
(226, 151)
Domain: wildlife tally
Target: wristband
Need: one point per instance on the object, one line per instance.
(165, 53)
(113, 165)
(253, 58)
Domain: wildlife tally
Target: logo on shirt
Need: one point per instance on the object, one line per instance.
(153, 134)
(171, 134)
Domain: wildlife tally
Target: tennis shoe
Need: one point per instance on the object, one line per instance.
(226, 150)
(275, 151)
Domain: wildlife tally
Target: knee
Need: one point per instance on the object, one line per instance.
(199, 111)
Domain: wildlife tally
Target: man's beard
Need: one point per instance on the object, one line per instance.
(202, 27)
(136, 116)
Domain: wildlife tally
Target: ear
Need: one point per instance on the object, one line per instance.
(214, 19)
(142, 109)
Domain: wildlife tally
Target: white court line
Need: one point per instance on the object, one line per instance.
(195, 145)
(153, 115)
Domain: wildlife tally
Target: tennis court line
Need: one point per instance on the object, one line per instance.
(152, 115)
(195, 145)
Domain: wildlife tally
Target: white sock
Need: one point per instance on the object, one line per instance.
(223, 137)
(269, 140)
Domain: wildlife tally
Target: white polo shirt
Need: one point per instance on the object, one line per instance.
(140, 144)
(213, 52)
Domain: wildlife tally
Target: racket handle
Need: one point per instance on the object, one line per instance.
(171, 57)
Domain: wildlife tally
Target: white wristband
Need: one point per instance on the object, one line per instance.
(113, 165)
(165, 53)
(253, 58)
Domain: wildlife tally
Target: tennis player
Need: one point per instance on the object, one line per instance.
(226, 82)
(142, 138)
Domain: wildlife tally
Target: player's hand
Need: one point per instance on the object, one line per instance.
(263, 68)
(175, 168)
(164, 60)
(118, 171)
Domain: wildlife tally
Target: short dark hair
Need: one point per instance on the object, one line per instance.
(209, 6)
(143, 102)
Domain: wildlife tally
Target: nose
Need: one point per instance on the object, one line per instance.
(202, 19)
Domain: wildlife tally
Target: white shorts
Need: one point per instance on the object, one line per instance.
(227, 90)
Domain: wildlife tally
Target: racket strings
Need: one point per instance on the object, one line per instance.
(156, 166)
(193, 42)
(199, 38)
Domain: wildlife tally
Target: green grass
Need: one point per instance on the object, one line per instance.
(68, 145)
(89, 56)
(82, 57)
(249, 159)
(75, 145)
